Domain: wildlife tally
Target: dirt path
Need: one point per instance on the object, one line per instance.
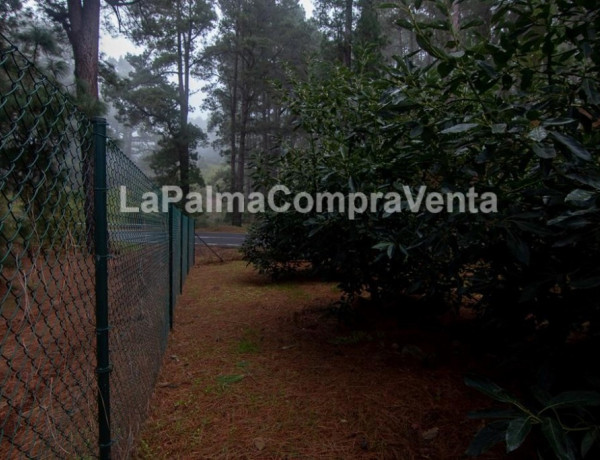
(259, 370)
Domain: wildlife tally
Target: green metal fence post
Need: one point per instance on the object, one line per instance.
(172, 236)
(193, 242)
(191, 247)
(182, 253)
(103, 367)
(187, 246)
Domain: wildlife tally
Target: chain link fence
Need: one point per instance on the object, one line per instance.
(86, 291)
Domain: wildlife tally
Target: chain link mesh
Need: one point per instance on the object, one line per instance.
(185, 229)
(138, 282)
(48, 381)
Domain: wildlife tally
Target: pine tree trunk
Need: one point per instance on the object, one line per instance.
(236, 217)
(183, 85)
(348, 33)
(84, 34)
(83, 31)
(455, 17)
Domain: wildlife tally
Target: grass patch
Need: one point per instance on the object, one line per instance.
(226, 380)
(249, 343)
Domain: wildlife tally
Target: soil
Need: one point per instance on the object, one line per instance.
(47, 367)
(257, 369)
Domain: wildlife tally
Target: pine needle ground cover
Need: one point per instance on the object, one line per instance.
(257, 369)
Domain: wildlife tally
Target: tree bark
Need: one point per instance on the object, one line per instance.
(83, 32)
(128, 141)
(183, 76)
(455, 11)
(81, 22)
(348, 33)
(236, 218)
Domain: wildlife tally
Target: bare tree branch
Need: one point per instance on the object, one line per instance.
(115, 3)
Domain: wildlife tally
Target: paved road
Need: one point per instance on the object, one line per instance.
(221, 239)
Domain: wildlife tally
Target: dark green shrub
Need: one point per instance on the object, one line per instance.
(516, 113)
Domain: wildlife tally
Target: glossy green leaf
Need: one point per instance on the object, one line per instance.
(460, 128)
(426, 45)
(579, 195)
(545, 151)
(589, 439)
(517, 431)
(488, 69)
(590, 178)
(591, 91)
(570, 220)
(573, 145)
(438, 24)
(557, 439)
(489, 388)
(471, 23)
(575, 399)
(404, 23)
(558, 121)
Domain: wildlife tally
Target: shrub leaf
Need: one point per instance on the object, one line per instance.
(517, 431)
(575, 399)
(574, 146)
(489, 388)
(557, 439)
(460, 128)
